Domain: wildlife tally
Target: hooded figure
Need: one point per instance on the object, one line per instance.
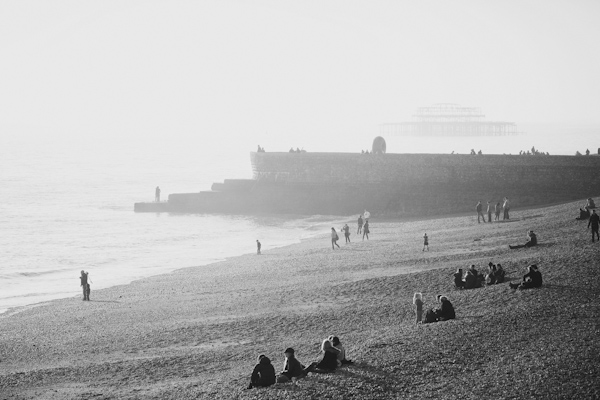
(263, 374)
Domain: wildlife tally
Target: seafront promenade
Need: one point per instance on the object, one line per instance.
(195, 333)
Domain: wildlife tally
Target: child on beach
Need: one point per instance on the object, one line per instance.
(418, 302)
(258, 246)
(425, 242)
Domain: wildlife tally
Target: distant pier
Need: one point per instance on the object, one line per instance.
(447, 119)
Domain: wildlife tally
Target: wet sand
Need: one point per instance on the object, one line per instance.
(196, 332)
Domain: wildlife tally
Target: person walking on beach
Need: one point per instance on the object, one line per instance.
(425, 242)
(258, 246)
(366, 230)
(360, 225)
(506, 207)
(346, 230)
(418, 302)
(157, 194)
(85, 285)
(489, 212)
(594, 223)
(334, 238)
(479, 209)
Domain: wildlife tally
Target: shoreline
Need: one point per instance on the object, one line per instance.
(195, 332)
(384, 219)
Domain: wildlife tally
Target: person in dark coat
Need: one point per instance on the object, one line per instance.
(500, 274)
(329, 362)
(531, 241)
(446, 310)
(470, 280)
(458, 279)
(594, 223)
(532, 279)
(263, 374)
(479, 209)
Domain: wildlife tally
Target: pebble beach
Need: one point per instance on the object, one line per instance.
(196, 332)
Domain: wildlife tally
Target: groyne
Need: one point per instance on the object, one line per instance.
(392, 184)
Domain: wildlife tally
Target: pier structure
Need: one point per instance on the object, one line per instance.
(448, 119)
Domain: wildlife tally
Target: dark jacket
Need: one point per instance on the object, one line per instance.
(594, 221)
(264, 373)
(458, 282)
(536, 278)
(292, 368)
(446, 311)
(532, 239)
(470, 281)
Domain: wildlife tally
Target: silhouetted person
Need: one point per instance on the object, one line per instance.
(360, 224)
(85, 285)
(497, 210)
(157, 194)
(263, 374)
(587, 152)
(489, 212)
(506, 207)
(425, 242)
(479, 209)
(532, 279)
(531, 241)
(258, 246)
(346, 230)
(366, 230)
(594, 223)
(458, 279)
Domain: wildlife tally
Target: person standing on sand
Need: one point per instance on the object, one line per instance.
(506, 207)
(334, 238)
(425, 242)
(258, 246)
(497, 209)
(346, 230)
(360, 225)
(489, 212)
(157, 194)
(85, 285)
(366, 230)
(479, 209)
(594, 222)
(418, 302)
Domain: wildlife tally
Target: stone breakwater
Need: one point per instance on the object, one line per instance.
(392, 184)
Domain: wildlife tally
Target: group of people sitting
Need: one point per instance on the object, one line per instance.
(333, 356)
(443, 313)
(474, 279)
(585, 212)
(532, 279)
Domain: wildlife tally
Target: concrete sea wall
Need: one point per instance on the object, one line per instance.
(395, 184)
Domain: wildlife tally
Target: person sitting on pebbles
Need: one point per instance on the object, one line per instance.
(531, 241)
(263, 374)
(500, 273)
(446, 310)
(458, 279)
(532, 279)
(329, 362)
(292, 368)
(341, 357)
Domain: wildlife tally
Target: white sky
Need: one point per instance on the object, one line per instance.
(227, 67)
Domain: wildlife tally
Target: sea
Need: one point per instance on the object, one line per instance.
(66, 201)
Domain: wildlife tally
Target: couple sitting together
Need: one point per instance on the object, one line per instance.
(532, 279)
(334, 355)
(443, 313)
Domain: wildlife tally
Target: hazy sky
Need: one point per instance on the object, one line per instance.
(226, 67)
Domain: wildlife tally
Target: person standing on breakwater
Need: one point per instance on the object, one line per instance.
(346, 230)
(258, 246)
(506, 207)
(595, 223)
(489, 212)
(425, 242)
(366, 230)
(157, 194)
(497, 209)
(360, 225)
(334, 238)
(479, 209)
